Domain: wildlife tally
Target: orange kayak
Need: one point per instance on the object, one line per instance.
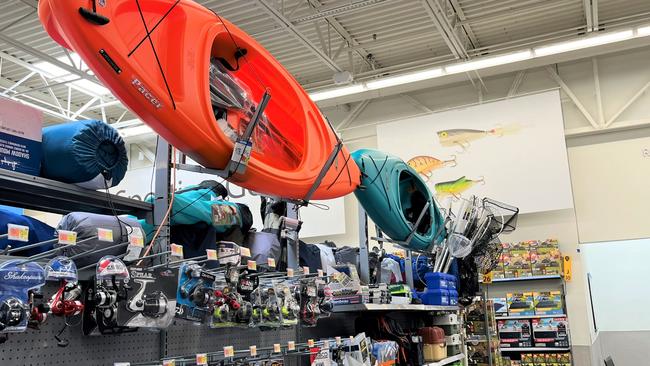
(196, 79)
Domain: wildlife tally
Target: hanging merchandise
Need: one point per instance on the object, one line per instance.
(195, 296)
(20, 280)
(290, 150)
(230, 309)
(103, 298)
(90, 154)
(268, 306)
(309, 303)
(151, 298)
(37, 232)
(289, 301)
(395, 198)
(66, 302)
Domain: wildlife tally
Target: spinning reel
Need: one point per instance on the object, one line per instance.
(153, 305)
(271, 308)
(65, 303)
(12, 312)
(290, 304)
(106, 299)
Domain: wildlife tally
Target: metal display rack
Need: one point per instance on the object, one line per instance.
(519, 282)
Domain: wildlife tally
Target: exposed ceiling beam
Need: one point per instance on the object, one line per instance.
(460, 14)
(353, 115)
(353, 6)
(500, 14)
(586, 5)
(284, 22)
(565, 88)
(445, 29)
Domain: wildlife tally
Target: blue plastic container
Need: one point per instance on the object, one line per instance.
(435, 297)
(453, 297)
(436, 280)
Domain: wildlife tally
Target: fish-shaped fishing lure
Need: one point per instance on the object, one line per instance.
(463, 137)
(425, 165)
(456, 187)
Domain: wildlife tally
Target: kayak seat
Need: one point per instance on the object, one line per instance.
(413, 200)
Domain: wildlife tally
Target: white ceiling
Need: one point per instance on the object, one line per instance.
(314, 39)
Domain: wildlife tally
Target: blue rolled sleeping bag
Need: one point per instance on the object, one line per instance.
(90, 154)
(38, 232)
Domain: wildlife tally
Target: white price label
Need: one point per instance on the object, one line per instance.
(251, 265)
(202, 359)
(338, 341)
(67, 237)
(169, 362)
(105, 234)
(310, 343)
(177, 250)
(211, 254)
(277, 348)
(320, 273)
(270, 262)
(229, 351)
(245, 252)
(136, 239)
(291, 346)
(253, 350)
(305, 270)
(289, 272)
(18, 232)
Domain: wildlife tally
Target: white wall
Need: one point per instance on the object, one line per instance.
(608, 172)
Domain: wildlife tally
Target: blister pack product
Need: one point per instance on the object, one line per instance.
(151, 298)
(289, 300)
(67, 300)
(230, 309)
(18, 281)
(195, 295)
(266, 307)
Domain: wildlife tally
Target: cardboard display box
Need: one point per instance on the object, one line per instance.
(520, 264)
(500, 306)
(551, 332)
(515, 333)
(20, 137)
(546, 258)
(520, 303)
(548, 303)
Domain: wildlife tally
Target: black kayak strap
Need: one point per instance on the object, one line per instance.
(326, 167)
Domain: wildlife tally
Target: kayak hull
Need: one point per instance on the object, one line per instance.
(393, 195)
(164, 79)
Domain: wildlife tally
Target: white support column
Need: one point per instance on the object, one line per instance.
(565, 88)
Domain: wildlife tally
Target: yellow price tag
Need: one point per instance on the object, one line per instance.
(177, 250)
(270, 262)
(105, 234)
(277, 348)
(566, 268)
(487, 278)
(252, 265)
(67, 237)
(321, 273)
(18, 232)
(305, 270)
(169, 362)
(253, 350)
(291, 346)
(245, 252)
(201, 359)
(310, 343)
(211, 254)
(229, 351)
(289, 272)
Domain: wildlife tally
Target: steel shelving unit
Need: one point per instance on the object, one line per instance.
(392, 307)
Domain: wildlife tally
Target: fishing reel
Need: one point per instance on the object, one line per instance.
(105, 301)
(226, 301)
(12, 312)
(202, 296)
(271, 309)
(65, 302)
(290, 304)
(152, 305)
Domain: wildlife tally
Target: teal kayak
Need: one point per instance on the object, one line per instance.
(394, 195)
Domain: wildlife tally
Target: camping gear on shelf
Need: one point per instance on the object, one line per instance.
(435, 348)
(90, 154)
(203, 95)
(394, 196)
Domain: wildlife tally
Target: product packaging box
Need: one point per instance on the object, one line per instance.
(526, 358)
(500, 306)
(520, 303)
(539, 358)
(551, 332)
(520, 264)
(515, 333)
(499, 271)
(548, 303)
(546, 258)
(20, 137)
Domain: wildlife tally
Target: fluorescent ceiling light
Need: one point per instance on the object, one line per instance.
(585, 42)
(135, 131)
(404, 79)
(338, 92)
(54, 72)
(643, 31)
(489, 62)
